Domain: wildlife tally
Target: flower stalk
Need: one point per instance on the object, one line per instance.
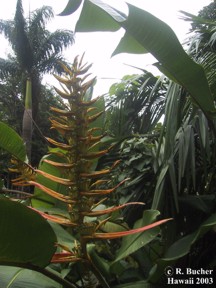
(78, 152)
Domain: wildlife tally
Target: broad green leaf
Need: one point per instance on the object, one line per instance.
(142, 29)
(63, 236)
(41, 199)
(129, 44)
(102, 265)
(71, 7)
(25, 236)
(110, 227)
(181, 248)
(11, 142)
(98, 16)
(132, 243)
(160, 40)
(13, 277)
(165, 72)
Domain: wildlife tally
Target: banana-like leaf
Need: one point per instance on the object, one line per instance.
(129, 44)
(146, 33)
(26, 238)
(11, 142)
(160, 40)
(98, 16)
(64, 238)
(14, 277)
(71, 7)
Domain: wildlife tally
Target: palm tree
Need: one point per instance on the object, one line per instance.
(36, 50)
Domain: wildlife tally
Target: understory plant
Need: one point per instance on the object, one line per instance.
(77, 199)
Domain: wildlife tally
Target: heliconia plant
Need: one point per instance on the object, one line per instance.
(67, 177)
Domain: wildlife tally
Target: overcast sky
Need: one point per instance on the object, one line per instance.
(99, 47)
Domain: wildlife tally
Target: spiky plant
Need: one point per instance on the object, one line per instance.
(78, 153)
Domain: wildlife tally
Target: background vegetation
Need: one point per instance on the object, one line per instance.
(162, 129)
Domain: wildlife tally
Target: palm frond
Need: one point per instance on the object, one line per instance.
(51, 65)
(136, 103)
(198, 20)
(40, 17)
(21, 44)
(208, 61)
(53, 44)
(8, 68)
(6, 28)
(37, 32)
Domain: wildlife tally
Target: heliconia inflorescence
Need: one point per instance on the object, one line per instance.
(78, 174)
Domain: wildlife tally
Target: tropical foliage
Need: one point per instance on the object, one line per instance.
(12, 109)
(135, 105)
(71, 193)
(36, 51)
(91, 185)
(181, 166)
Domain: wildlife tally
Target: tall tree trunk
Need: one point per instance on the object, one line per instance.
(27, 119)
